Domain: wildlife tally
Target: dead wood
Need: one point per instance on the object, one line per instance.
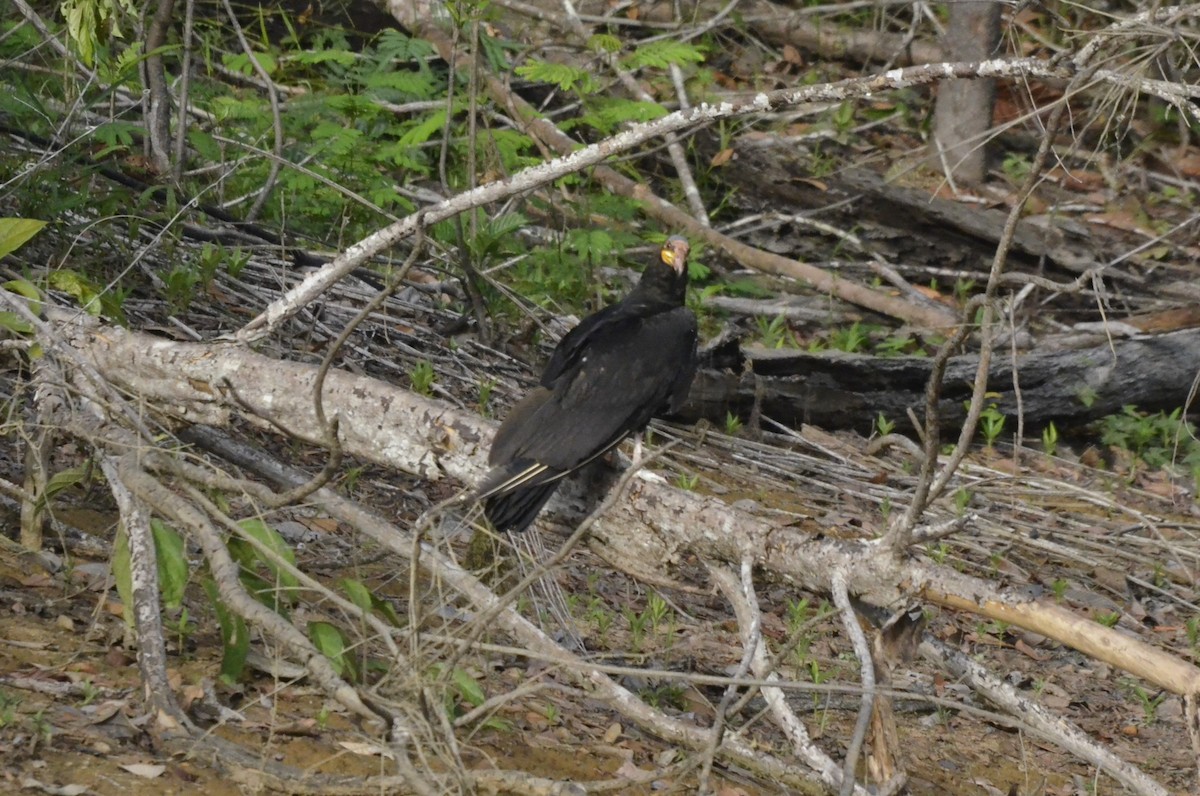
(904, 223)
(964, 110)
(805, 30)
(657, 525)
(1069, 386)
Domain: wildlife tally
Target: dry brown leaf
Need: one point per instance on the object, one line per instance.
(721, 158)
(1029, 651)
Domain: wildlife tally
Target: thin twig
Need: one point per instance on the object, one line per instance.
(862, 649)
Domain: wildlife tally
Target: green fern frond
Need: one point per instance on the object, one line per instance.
(662, 54)
(314, 57)
(605, 114)
(404, 84)
(424, 130)
(604, 43)
(564, 76)
(392, 44)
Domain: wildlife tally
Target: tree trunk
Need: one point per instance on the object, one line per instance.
(963, 114)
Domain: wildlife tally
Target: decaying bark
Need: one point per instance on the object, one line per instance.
(1067, 386)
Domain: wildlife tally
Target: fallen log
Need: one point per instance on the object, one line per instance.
(1069, 387)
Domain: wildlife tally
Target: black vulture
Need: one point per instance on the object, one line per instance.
(608, 376)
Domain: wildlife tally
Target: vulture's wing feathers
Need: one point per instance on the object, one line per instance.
(607, 377)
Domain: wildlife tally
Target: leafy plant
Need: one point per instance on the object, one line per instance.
(1150, 704)
(637, 627)
(279, 592)
(733, 424)
(775, 332)
(658, 610)
(1050, 439)
(884, 426)
(1157, 439)
(687, 481)
(422, 377)
(368, 602)
(566, 76)
(1016, 168)
(667, 695)
(663, 54)
(991, 424)
(962, 499)
(852, 339)
(486, 387)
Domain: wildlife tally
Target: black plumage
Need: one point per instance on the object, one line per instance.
(608, 376)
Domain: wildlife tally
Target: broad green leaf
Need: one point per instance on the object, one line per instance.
(235, 636)
(468, 687)
(358, 593)
(172, 563)
(14, 323)
(14, 232)
(365, 599)
(271, 538)
(23, 287)
(240, 62)
(329, 640)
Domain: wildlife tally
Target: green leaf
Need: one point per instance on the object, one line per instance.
(423, 130)
(339, 57)
(605, 113)
(358, 593)
(23, 287)
(64, 479)
(14, 232)
(328, 639)
(235, 636)
(468, 687)
(662, 54)
(205, 145)
(172, 563)
(407, 85)
(565, 76)
(339, 139)
(396, 45)
(365, 599)
(604, 42)
(78, 287)
(14, 323)
(269, 537)
(240, 62)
